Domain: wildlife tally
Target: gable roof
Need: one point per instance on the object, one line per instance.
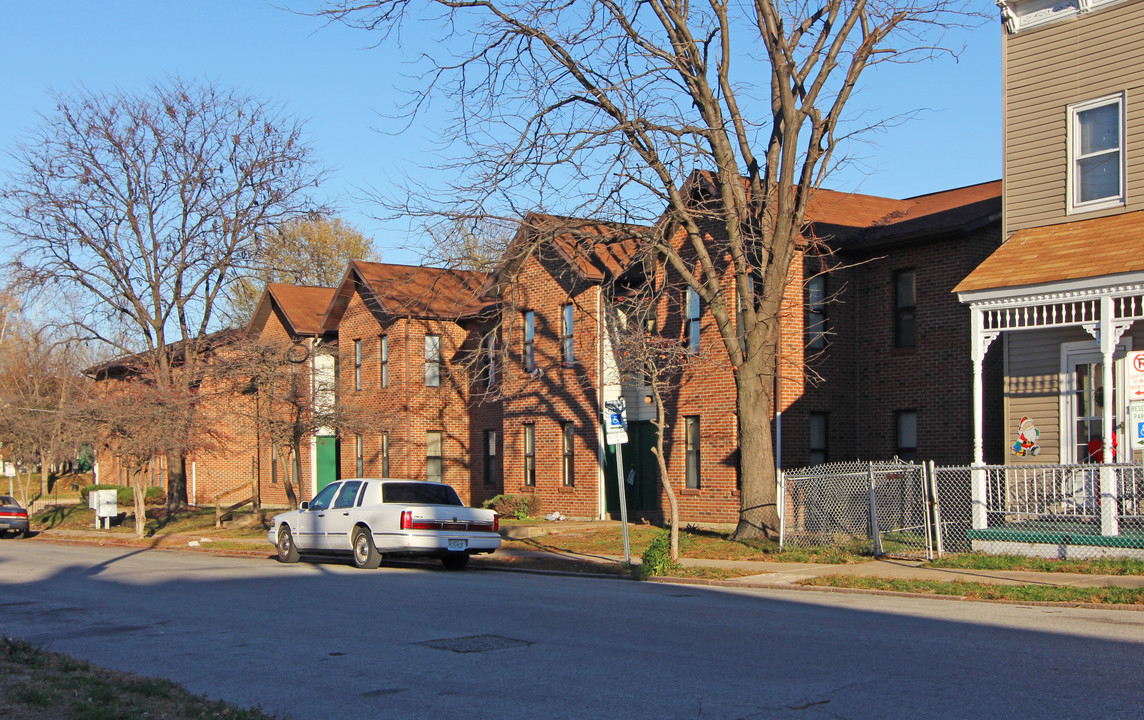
(593, 249)
(410, 290)
(1077, 250)
(301, 306)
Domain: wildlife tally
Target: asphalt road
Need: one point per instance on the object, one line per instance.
(324, 640)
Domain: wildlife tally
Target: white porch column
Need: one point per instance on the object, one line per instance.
(1109, 518)
(979, 341)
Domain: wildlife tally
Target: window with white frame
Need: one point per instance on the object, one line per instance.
(1096, 154)
(492, 458)
(491, 361)
(529, 454)
(385, 454)
(432, 361)
(359, 455)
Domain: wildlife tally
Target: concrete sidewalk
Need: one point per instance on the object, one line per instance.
(757, 572)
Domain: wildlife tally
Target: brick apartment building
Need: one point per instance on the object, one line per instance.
(496, 384)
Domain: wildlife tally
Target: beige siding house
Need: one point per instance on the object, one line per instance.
(1063, 298)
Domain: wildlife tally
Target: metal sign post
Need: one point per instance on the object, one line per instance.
(616, 434)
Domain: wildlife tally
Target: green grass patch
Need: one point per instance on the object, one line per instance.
(978, 561)
(984, 591)
(159, 522)
(40, 684)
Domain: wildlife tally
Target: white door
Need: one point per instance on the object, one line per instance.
(1082, 406)
(339, 519)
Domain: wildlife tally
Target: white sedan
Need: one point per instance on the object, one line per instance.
(369, 518)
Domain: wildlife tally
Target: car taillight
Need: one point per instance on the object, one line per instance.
(406, 519)
(496, 523)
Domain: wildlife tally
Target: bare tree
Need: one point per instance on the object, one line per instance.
(307, 251)
(148, 206)
(616, 102)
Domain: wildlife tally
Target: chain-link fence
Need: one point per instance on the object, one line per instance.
(878, 508)
(919, 510)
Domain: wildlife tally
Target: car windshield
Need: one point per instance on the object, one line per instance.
(420, 494)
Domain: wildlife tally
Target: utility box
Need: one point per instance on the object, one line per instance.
(104, 504)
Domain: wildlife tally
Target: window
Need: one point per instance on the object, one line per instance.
(692, 430)
(1096, 162)
(322, 500)
(383, 353)
(434, 460)
(905, 309)
(358, 455)
(529, 454)
(385, 454)
(492, 464)
(273, 464)
(529, 350)
(816, 313)
(357, 364)
(907, 432)
(568, 433)
(566, 340)
(818, 427)
(692, 311)
(491, 361)
(348, 496)
(432, 361)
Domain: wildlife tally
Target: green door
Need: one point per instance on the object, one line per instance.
(640, 465)
(326, 455)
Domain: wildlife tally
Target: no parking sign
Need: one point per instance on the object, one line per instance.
(1136, 375)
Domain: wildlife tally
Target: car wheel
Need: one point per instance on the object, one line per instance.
(455, 561)
(287, 550)
(366, 555)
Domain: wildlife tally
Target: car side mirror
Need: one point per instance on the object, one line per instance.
(304, 506)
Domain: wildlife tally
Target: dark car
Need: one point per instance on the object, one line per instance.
(13, 518)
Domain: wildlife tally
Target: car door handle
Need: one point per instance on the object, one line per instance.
(345, 514)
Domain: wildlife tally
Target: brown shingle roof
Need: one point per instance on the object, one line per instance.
(303, 305)
(1070, 251)
(412, 290)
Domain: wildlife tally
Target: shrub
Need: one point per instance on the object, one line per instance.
(123, 495)
(155, 496)
(657, 557)
(519, 507)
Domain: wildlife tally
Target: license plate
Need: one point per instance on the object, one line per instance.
(458, 544)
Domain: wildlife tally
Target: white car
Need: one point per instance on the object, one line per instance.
(371, 518)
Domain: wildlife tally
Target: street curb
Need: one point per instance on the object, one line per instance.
(488, 565)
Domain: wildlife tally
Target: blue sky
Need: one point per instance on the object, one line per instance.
(348, 92)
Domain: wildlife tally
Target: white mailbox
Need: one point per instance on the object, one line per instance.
(104, 504)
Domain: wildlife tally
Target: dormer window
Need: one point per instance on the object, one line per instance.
(1096, 154)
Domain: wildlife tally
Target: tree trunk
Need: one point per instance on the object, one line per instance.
(45, 474)
(177, 498)
(296, 465)
(140, 493)
(758, 502)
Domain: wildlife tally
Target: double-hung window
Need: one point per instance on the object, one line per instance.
(568, 444)
(691, 425)
(529, 349)
(434, 457)
(816, 313)
(357, 364)
(383, 358)
(905, 309)
(566, 339)
(385, 454)
(907, 434)
(692, 309)
(359, 456)
(491, 361)
(529, 454)
(1096, 154)
(818, 428)
(492, 458)
(432, 361)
